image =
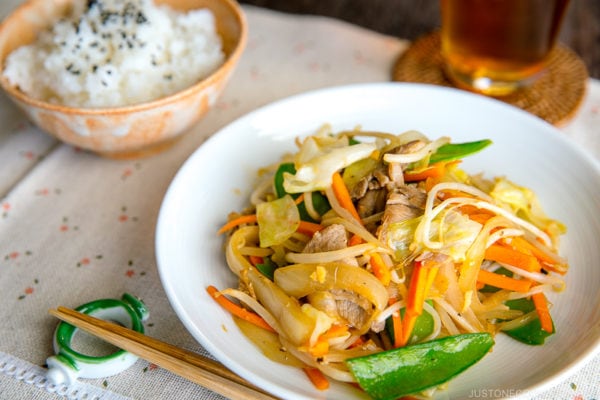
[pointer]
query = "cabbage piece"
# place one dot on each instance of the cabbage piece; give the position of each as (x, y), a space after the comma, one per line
(322, 321)
(400, 237)
(277, 220)
(525, 204)
(319, 157)
(453, 231)
(356, 171)
(457, 232)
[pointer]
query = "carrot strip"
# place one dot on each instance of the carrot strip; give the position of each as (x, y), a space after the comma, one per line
(320, 348)
(244, 219)
(541, 306)
(507, 255)
(416, 289)
(354, 240)
(299, 199)
(408, 324)
(414, 300)
(236, 310)
(396, 324)
(357, 343)
(309, 228)
(343, 196)
(503, 281)
(525, 246)
(430, 183)
(380, 269)
(335, 331)
(482, 218)
(318, 379)
(255, 260)
(398, 330)
(436, 170)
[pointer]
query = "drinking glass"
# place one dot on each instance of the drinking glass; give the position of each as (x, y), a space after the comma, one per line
(496, 47)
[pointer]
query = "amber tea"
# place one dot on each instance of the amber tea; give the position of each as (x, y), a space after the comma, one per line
(497, 46)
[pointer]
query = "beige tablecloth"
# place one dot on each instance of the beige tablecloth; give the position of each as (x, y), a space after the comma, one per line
(75, 227)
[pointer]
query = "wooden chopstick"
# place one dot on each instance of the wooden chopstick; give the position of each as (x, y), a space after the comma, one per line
(192, 366)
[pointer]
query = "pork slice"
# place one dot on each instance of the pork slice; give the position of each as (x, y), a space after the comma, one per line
(333, 237)
(352, 307)
(372, 203)
(361, 187)
(405, 203)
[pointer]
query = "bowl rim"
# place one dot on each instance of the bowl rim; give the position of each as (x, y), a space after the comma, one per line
(229, 63)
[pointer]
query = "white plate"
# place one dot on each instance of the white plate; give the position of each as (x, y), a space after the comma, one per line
(217, 178)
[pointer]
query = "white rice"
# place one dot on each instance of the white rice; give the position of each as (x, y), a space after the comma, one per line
(110, 53)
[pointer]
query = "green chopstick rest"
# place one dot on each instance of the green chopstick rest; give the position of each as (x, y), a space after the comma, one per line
(68, 364)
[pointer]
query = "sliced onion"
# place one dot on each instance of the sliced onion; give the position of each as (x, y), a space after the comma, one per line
(268, 343)
(299, 280)
(237, 241)
(330, 256)
(296, 325)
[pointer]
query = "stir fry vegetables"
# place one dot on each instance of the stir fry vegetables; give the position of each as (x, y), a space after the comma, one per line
(364, 251)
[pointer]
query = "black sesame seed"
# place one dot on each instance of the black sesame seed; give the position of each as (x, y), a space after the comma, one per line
(141, 18)
(91, 3)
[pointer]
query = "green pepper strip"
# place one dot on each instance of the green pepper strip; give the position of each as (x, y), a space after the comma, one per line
(267, 268)
(531, 333)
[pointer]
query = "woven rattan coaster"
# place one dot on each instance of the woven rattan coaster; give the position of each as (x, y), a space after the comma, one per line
(555, 96)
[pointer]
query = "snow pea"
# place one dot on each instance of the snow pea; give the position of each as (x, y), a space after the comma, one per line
(456, 151)
(532, 332)
(408, 370)
(320, 202)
